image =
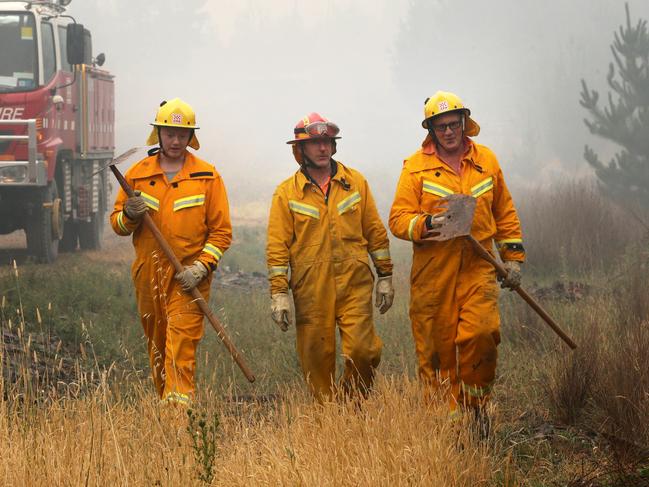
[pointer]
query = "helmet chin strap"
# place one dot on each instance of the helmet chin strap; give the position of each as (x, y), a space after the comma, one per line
(161, 149)
(306, 162)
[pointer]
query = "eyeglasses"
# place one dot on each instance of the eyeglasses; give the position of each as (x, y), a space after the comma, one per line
(440, 128)
(319, 129)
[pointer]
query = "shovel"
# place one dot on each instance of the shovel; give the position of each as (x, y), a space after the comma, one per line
(454, 221)
(166, 248)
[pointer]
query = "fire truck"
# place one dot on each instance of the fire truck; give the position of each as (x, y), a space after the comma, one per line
(57, 120)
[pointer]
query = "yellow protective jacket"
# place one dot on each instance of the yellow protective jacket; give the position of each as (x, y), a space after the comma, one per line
(191, 211)
(453, 292)
(304, 229)
(425, 179)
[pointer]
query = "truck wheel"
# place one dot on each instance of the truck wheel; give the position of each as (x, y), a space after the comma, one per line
(42, 232)
(92, 232)
(70, 236)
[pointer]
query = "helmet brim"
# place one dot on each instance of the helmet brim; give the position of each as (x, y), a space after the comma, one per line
(471, 127)
(295, 141)
(154, 140)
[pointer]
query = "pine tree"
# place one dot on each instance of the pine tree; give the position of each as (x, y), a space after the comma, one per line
(625, 121)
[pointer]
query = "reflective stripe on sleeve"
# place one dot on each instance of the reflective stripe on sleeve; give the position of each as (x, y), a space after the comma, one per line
(304, 209)
(277, 270)
(380, 254)
(189, 201)
(213, 250)
(482, 187)
(120, 222)
(348, 202)
(411, 227)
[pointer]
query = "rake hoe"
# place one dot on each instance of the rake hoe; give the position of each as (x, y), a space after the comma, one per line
(454, 221)
(196, 294)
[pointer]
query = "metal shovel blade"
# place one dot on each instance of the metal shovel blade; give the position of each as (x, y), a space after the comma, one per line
(118, 160)
(455, 218)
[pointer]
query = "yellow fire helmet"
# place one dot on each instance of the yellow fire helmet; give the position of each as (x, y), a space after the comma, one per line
(444, 102)
(174, 113)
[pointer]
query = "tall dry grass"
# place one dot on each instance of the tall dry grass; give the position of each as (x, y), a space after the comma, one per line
(561, 417)
(571, 228)
(605, 384)
(393, 438)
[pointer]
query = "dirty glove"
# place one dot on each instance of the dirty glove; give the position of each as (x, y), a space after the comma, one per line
(280, 308)
(135, 206)
(513, 279)
(192, 275)
(384, 293)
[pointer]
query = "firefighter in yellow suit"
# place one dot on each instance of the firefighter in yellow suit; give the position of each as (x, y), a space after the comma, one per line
(454, 294)
(323, 224)
(186, 199)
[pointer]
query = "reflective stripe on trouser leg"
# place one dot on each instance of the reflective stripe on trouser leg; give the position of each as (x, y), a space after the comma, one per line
(361, 347)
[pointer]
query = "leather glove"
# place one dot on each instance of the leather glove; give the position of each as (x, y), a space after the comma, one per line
(135, 207)
(384, 293)
(192, 275)
(280, 308)
(514, 275)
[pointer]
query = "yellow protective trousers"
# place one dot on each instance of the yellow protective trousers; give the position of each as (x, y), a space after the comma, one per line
(455, 323)
(173, 326)
(330, 294)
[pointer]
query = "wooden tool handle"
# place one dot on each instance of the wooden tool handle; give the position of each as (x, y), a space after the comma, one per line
(196, 294)
(502, 272)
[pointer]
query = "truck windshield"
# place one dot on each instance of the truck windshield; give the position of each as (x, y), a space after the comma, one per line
(18, 59)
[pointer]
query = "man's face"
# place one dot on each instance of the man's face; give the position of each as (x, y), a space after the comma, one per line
(448, 129)
(319, 151)
(174, 141)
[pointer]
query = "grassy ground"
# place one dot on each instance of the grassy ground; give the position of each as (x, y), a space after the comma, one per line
(561, 418)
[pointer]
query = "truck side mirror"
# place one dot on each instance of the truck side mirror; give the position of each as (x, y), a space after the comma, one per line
(75, 44)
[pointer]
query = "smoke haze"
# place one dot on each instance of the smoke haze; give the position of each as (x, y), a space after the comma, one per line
(252, 69)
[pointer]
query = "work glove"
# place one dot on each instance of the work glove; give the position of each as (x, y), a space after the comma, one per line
(280, 308)
(384, 293)
(514, 275)
(135, 206)
(191, 275)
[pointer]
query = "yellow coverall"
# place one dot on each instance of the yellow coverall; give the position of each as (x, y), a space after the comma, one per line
(453, 292)
(325, 243)
(192, 213)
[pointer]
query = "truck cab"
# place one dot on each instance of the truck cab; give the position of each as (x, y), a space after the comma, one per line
(57, 122)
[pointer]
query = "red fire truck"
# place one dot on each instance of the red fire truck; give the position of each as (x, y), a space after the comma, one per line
(57, 120)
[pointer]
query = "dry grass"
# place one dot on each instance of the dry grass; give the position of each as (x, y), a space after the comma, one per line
(561, 418)
(392, 439)
(573, 229)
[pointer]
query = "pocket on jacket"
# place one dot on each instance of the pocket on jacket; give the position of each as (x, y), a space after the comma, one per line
(188, 218)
